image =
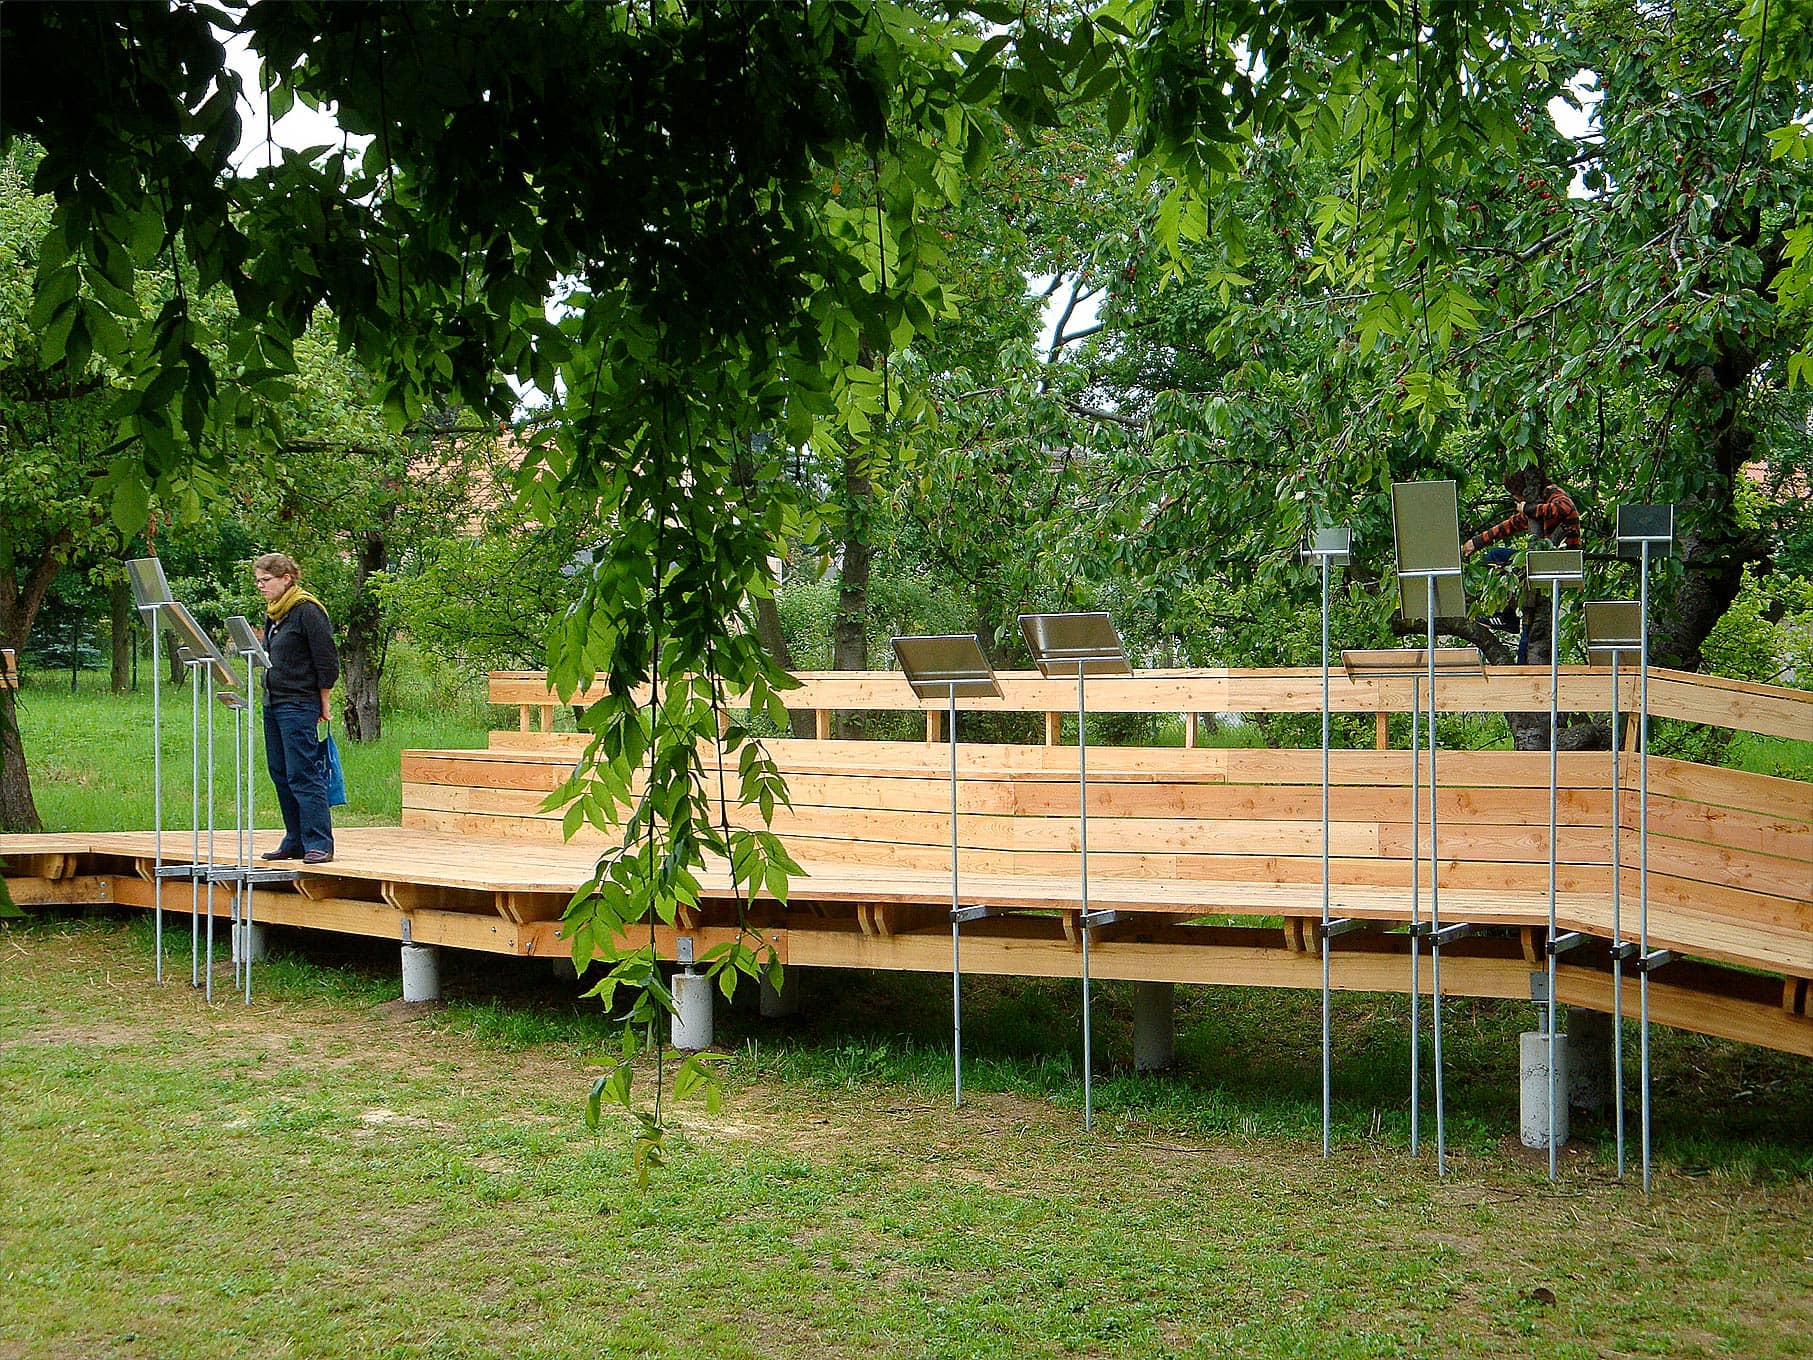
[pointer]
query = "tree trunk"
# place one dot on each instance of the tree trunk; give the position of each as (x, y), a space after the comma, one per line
(362, 654)
(768, 628)
(120, 611)
(18, 813)
(850, 625)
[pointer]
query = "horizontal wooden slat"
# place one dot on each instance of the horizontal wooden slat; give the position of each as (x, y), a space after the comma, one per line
(1767, 709)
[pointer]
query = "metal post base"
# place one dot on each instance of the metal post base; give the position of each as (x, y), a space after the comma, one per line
(1589, 1060)
(421, 972)
(1154, 1026)
(692, 1024)
(780, 1002)
(1533, 1058)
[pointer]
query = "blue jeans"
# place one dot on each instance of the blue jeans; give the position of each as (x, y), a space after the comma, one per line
(293, 752)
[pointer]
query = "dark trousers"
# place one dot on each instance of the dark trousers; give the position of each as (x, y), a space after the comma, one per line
(1511, 617)
(293, 752)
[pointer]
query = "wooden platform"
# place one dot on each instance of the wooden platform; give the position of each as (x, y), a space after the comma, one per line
(1212, 857)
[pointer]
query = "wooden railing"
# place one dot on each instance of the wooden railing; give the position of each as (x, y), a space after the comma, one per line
(9, 669)
(1769, 710)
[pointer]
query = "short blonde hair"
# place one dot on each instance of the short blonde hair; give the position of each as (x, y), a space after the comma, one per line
(278, 564)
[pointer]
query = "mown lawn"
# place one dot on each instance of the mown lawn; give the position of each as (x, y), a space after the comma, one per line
(323, 1174)
(90, 755)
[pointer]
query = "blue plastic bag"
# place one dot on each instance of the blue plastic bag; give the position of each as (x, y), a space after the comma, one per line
(331, 773)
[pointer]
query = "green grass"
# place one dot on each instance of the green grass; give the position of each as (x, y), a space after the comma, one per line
(1782, 757)
(89, 754)
(322, 1174)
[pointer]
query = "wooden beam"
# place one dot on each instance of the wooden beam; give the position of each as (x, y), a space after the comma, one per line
(79, 890)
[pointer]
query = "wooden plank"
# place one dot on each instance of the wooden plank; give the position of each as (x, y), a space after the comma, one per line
(319, 887)
(1772, 710)
(1790, 799)
(523, 907)
(78, 890)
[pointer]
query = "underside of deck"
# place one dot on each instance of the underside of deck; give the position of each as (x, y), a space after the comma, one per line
(507, 895)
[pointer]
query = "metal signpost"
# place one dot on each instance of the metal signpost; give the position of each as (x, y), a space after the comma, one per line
(1642, 529)
(1615, 628)
(1425, 525)
(950, 667)
(150, 593)
(1556, 568)
(1082, 645)
(1328, 548)
(244, 641)
(206, 666)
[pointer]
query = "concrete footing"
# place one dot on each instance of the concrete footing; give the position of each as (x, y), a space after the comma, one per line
(780, 1002)
(692, 1010)
(1154, 1026)
(1534, 1050)
(1589, 1067)
(251, 942)
(421, 972)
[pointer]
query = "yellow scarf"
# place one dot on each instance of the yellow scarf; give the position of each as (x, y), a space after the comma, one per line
(287, 601)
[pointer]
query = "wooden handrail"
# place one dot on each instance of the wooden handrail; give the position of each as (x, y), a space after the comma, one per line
(1769, 710)
(9, 669)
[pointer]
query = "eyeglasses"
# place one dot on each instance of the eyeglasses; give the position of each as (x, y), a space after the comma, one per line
(266, 580)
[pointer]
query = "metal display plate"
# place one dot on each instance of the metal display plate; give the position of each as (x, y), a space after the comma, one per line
(1063, 644)
(149, 587)
(1645, 524)
(939, 666)
(243, 640)
(1556, 567)
(1335, 545)
(1402, 661)
(199, 646)
(1613, 626)
(1425, 531)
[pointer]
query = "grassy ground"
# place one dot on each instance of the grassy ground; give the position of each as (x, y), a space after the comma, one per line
(324, 1174)
(89, 754)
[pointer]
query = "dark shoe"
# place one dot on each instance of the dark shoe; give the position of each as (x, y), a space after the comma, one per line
(278, 853)
(318, 857)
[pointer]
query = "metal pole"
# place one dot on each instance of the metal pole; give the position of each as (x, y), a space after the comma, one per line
(1416, 910)
(209, 990)
(239, 839)
(157, 799)
(1435, 914)
(1617, 928)
(194, 824)
(1554, 793)
(1327, 1051)
(252, 715)
(956, 927)
(1082, 785)
(1643, 842)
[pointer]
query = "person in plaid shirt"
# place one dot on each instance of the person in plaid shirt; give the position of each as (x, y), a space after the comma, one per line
(1551, 516)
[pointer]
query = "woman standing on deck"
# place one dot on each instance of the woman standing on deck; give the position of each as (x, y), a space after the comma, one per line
(304, 667)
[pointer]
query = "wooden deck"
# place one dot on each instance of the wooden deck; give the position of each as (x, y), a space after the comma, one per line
(1212, 857)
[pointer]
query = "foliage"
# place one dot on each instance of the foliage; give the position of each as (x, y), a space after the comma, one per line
(671, 174)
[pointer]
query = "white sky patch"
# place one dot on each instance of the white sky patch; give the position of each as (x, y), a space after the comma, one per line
(1087, 313)
(299, 129)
